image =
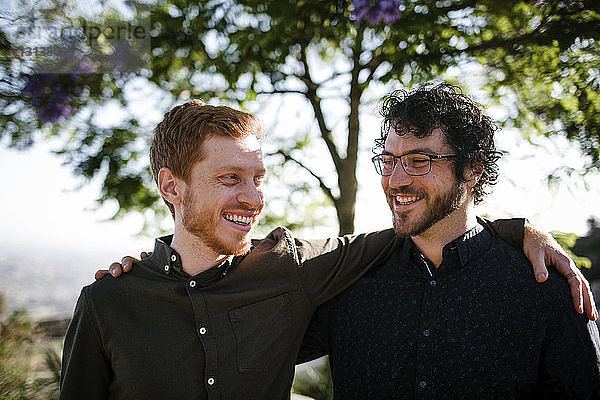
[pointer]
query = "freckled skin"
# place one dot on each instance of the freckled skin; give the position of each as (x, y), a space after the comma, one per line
(226, 182)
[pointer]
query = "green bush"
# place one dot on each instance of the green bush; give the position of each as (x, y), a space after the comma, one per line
(16, 370)
(19, 379)
(567, 241)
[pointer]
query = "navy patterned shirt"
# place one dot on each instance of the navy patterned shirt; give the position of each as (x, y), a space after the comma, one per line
(477, 327)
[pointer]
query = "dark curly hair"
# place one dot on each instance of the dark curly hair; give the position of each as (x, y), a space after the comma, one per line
(468, 131)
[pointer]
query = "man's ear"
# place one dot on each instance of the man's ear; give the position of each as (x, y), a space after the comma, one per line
(473, 173)
(170, 187)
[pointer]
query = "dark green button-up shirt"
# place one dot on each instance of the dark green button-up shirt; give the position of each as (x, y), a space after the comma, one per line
(231, 332)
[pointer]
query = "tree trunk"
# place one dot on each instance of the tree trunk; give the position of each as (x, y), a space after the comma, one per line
(345, 206)
(347, 182)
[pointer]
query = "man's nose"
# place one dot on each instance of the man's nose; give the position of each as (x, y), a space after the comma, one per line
(251, 195)
(399, 177)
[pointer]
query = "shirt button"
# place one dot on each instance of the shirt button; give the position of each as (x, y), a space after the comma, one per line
(166, 268)
(211, 381)
(202, 330)
(426, 332)
(192, 283)
(173, 257)
(422, 384)
(432, 283)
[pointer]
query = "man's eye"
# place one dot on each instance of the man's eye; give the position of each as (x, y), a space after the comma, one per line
(229, 179)
(259, 180)
(419, 161)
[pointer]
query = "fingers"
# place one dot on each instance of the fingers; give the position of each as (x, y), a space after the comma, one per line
(101, 273)
(562, 263)
(538, 261)
(588, 300)
(127, 263)
(579, 290)
(542, 250)
(583, 298)
(537, 257)
(115, 269)
(534, 247)
(576, 286)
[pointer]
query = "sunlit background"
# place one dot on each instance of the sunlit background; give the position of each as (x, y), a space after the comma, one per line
(53, 232)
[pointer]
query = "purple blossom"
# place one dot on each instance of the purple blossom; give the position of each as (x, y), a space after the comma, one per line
(56, 108)
(375, 11)
(52, 94)
(48, 96)
(86, 66)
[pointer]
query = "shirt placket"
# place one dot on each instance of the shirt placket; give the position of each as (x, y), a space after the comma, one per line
(424, 383)
(205, 333)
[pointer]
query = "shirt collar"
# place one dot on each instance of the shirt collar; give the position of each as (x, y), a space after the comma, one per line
(468, 246)
(408, 250)
(169, 262)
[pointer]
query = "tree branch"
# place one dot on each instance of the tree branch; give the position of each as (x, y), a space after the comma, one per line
(543, 35)
(322, 185)
(281, 91)
(332, 77)
(355, 95)
(371, 66)
(315, 101)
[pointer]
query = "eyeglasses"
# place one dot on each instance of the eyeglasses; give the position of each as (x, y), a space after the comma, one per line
(414, 164)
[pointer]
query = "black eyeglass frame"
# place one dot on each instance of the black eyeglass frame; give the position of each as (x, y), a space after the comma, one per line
(395, 159)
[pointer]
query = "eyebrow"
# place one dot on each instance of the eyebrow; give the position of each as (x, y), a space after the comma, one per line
(424, 150)
(234, 168)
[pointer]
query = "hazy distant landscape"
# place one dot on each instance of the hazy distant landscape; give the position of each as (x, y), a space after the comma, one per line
(45, 282)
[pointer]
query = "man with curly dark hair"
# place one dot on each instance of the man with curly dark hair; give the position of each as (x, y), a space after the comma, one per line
(445, 315)
(466, 129)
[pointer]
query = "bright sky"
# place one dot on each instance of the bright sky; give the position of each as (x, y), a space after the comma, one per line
(45, 206)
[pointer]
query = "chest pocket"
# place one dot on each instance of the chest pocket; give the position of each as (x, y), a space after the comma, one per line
(262, 333)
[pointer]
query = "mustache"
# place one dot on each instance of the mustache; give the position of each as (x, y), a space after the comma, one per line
(406, 191)
(244, 207)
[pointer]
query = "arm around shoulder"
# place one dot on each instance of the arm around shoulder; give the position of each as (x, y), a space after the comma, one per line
(327, 267)
(86, 370)
(511, 230)
(542, 250)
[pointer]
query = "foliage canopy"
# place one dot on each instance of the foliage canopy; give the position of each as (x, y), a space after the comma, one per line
(541, 57)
